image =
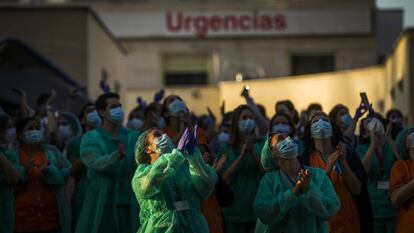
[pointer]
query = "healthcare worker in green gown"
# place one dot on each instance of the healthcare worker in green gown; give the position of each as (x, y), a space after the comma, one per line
(108, 153)
(170, 184)
(44, 171)
(242, 171)
(90, 120)
(293, 198)
(378, 153)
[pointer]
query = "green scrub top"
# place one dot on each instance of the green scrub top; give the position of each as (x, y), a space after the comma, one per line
(279, 210)
(381, 205)
(244, 184)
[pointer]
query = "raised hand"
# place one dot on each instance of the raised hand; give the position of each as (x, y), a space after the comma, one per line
(159, 95)
(304, 177)
(360, 111)
(218, 164)
(183, 140)
(331, 161)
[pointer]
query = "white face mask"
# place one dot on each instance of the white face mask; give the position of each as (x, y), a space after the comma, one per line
(321, 129)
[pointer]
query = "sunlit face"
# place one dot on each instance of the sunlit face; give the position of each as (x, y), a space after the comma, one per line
(151, 146)
(282, 162)
(246, 114)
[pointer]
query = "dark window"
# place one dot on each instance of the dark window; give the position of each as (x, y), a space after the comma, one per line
(185, 69)
(186, 78)
(309, 64)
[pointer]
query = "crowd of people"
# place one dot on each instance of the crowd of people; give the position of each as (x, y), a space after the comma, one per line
(167, 170)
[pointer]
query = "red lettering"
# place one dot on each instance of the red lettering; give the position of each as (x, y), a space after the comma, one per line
(245, 21)
(170, 26)
(201, 26)
(230, 19)
(187, 23)
(215, 23)
(265, 22)
(280, 22)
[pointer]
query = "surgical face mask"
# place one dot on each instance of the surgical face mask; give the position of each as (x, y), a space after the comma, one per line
(281, 129)
(223, 137)
(375, 125)
(287, 149)
(10, 135)
(33, 137)
(164, 144)
(161, 123)
(64, 132)
(176, 107)
(411, 140)
(135, 124)
(321, 129)
(93, 119)
(246, 127)
(346, 120)
(116, 115)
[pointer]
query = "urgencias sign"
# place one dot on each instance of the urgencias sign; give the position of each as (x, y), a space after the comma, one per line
(221, 24)
(201, 25)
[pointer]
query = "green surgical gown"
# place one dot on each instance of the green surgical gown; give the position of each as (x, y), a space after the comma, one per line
(279, 210)
(170, 192)
(109, 204)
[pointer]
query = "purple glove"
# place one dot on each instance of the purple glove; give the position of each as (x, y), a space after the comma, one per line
(183, 140)
(142, 104)
(192, 141)
(361, 110)
(159, 95)
(104, 87)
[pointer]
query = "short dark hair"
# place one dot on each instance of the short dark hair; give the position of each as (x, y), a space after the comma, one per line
(22, 122)
(101, 104)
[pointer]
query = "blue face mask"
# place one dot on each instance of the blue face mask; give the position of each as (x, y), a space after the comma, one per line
(346, 120)
(161, 123)
(64, 132)
(321, 129)
(116, 115)
(33, 137)
(176, 107)
(287, 149)
(223, 137)
(93, 119)
(246, 127)
(281, 129)
(135, 124)
(164, 144)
